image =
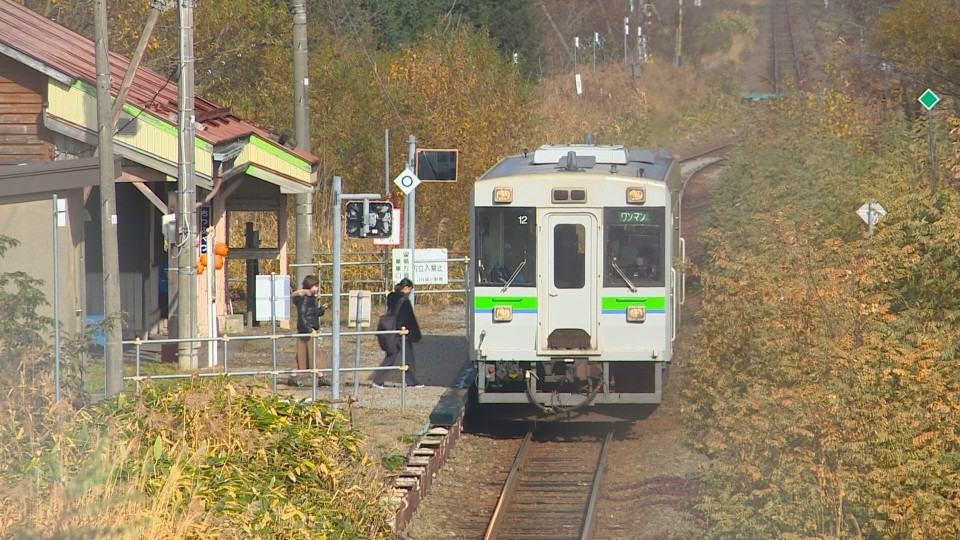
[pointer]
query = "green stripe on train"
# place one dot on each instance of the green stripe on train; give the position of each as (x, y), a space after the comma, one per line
(609, 302)
(622, 302)
(517, 302)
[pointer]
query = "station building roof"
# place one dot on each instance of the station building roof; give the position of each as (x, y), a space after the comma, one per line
(68, 57)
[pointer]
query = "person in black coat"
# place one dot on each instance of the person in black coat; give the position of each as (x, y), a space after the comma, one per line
(398, 303)
(309, 311)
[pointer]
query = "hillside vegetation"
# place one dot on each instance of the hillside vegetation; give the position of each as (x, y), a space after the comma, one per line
(827, 391)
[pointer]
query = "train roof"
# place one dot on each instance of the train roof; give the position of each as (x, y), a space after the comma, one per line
(608, 159)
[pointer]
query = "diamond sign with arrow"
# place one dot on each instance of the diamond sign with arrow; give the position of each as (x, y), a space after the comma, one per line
(871, 213)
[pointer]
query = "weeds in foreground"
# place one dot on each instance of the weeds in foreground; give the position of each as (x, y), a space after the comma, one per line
(206, 459)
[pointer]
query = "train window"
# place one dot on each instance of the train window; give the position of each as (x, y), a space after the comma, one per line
(569, 245)
(506, 247)
(634, 247)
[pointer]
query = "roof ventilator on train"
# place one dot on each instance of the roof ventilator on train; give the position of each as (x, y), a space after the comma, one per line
(574, 163)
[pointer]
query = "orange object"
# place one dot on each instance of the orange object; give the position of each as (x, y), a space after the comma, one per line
(218, 262)
(220, 248)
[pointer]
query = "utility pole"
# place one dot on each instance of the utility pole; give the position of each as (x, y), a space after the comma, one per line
(576, 45)
(156, 7)
(576, 74)
(186, 207)
(596, 41)
(677, 59)
(410, 208)
(113, 351)
(303, 238)
(626, 34)
(337, 188)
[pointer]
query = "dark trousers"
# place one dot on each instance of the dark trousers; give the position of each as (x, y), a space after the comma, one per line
(395, 359)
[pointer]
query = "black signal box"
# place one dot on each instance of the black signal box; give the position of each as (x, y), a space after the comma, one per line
(376, 221)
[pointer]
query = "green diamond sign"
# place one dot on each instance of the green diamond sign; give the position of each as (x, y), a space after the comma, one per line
(928, 99)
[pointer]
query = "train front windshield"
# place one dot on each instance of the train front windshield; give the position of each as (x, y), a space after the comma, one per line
(506, 247)
(634, 252)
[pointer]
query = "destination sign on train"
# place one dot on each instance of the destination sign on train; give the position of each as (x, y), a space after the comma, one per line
(633, 216)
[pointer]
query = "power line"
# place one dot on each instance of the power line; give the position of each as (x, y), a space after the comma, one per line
(149, 103)
(376, 73)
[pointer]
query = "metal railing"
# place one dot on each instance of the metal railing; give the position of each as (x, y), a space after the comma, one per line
(223, 369)
(215, 341)
(383, 279)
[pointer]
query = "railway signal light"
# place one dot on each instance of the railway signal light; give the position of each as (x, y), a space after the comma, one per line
(366, 219)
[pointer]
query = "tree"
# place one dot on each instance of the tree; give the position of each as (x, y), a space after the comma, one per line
(20, 325)
(513, 25)
(913, 36)
(462, 94)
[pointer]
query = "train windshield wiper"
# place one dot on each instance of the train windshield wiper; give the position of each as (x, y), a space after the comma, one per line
(633, 288)
(514, 276)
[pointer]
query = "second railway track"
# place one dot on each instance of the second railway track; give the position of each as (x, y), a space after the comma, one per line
(785, 56)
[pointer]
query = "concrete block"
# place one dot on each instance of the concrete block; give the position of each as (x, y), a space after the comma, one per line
(231, 324)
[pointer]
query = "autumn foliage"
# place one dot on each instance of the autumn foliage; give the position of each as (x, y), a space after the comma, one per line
(826, 392)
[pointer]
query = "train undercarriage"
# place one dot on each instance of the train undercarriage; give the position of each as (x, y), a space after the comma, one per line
(570, 389)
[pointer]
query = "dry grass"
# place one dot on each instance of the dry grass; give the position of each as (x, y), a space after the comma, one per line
(89, 497)
(207, 459)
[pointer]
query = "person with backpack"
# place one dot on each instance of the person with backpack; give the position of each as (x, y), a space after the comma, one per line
(309, 311)
(399, 314)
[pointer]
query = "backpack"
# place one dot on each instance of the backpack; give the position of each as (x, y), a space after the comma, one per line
(389, 343)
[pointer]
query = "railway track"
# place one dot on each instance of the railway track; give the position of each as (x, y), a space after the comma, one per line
(718, 149)
(551, 490)
(785, 71)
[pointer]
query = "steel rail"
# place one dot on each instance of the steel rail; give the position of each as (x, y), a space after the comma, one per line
(773, 41)
(589, 515)
(779, 27)
(513, 480)
(723, 146)
(793, 45)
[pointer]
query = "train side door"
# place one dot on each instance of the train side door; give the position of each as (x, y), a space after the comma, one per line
(568, 288)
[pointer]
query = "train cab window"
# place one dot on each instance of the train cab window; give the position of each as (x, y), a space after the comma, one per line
(634, 247)
(506, 247)
(569, 246)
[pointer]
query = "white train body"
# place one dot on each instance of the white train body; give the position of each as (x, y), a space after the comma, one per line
(574, 291)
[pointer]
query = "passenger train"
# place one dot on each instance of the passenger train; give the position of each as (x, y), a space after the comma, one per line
(575, 289)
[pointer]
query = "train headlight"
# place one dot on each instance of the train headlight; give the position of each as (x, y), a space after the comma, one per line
(502, 195)
(636, 195)
(502, 314)
(636, 314)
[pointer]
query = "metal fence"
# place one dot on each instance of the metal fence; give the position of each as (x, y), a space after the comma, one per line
(455, 285)
(380, 279)
(337, 335)
(224, 369)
